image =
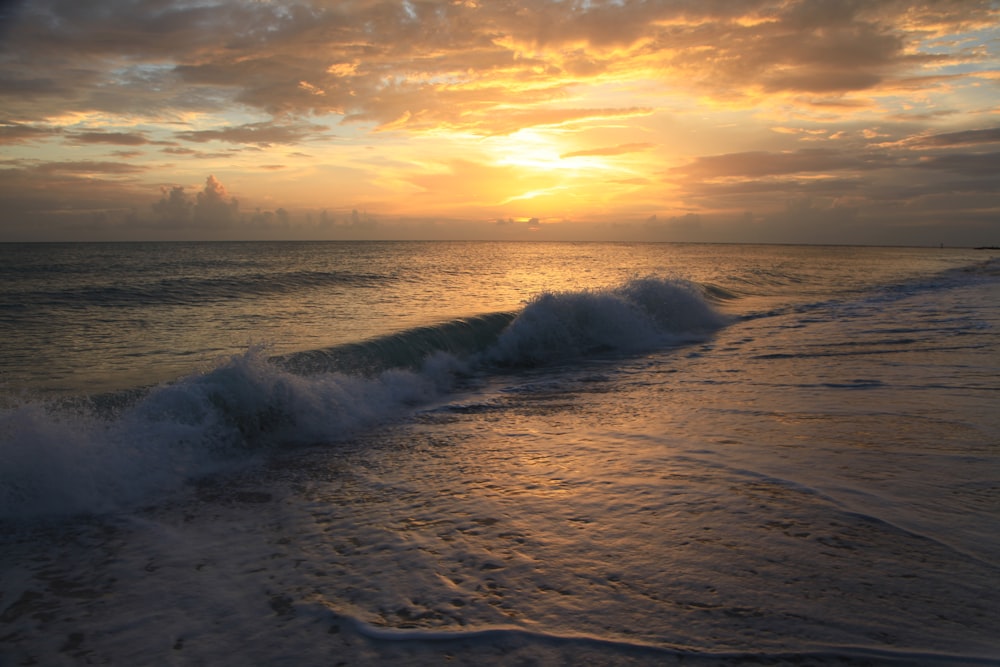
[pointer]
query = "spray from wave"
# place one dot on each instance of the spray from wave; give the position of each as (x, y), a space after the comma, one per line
(110, 452)
(642, 314)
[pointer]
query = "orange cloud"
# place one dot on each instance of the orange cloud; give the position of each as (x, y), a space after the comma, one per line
(621, 149)
(760, 164)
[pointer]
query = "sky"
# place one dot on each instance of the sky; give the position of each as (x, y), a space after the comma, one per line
(776, 121)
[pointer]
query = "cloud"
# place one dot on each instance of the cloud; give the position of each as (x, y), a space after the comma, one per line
(772, 189)
(676, 227)
(261, 134)
(13, 133)
(620, 149)
(884, 197)
(969, 164)
(513, 121)
(35, 196)
(811, 80)
(198, 155)
(30, 87)
(90, 167)
(173, 207)
(963, 138)
(762, 164)
(214, 206)
(116, 138)
(448, 63)
(917, 75)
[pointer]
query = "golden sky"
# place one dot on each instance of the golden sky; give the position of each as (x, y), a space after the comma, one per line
(840, 121)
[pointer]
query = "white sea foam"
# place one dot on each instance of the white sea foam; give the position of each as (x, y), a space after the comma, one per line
(67, 460)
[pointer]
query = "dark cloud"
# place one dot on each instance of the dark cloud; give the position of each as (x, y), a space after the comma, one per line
(811, 80)
(29, 194)
(964, 138)
(677, 227)
(199, 155)
(9, 10)
(213, 205)
(173, 207)
(970, 164)
(116, 138)
(261, 134)
(30, 87)
(12, 133)
(923, 116)
(211, 208)
(772, 189)
(894, 203)
(68, 28)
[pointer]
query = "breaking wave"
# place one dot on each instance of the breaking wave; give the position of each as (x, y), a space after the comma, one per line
(107, 452)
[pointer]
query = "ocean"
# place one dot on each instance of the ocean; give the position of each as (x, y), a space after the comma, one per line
(498, 453)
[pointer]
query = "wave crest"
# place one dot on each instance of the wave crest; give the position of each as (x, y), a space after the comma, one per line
(641, 315)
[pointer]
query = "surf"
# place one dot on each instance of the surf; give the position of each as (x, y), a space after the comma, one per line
(107, 452)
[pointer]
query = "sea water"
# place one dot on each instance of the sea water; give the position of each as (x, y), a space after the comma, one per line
(451, 453)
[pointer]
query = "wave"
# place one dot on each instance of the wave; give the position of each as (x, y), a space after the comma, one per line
(407, 349)
(108, 452)
(185, 291)
(643, 314)
(878, 295)
(58, 459)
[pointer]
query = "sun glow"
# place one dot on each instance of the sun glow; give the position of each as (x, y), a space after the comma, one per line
(554, 174)
(547, 151)
(531, 149)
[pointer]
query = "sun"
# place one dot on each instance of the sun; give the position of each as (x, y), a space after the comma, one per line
(540, 150)
(549, 174)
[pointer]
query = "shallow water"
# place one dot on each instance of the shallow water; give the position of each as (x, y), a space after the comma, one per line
(800, 466)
